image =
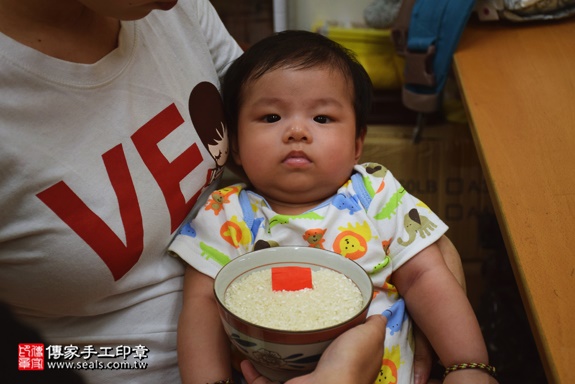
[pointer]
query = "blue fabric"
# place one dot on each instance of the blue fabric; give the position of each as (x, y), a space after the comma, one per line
(359, 187)
(439, 23)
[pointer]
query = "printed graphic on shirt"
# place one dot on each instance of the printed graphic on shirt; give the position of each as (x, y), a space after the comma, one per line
(118, 255)
(218, 198)
(285, 219)
(350, 203)
(390, 366)
(392, 205)
(314, 237)
(236, 232)
(352, 240)
(207, 114)
(396, 315)
(415, 224)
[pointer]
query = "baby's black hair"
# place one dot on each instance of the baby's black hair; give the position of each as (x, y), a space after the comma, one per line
(297, 50)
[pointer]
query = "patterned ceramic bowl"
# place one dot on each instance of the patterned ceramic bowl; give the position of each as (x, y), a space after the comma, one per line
(277, 354)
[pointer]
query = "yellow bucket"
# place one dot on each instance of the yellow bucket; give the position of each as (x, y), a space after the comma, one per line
(374, 50)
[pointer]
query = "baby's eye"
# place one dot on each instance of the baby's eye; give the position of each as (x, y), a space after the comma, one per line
(321, 119)
(271, 118)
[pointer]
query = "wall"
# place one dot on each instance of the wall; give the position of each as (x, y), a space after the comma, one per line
(302, 14)
(248, 21)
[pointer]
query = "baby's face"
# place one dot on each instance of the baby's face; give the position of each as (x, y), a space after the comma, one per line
(296, 135)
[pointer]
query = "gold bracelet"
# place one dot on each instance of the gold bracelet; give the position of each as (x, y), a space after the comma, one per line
(226, 381)
(484, 367)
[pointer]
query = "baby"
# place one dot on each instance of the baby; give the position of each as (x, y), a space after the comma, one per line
(296, 105)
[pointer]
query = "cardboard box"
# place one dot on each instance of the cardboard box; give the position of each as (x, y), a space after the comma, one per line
(443, 171)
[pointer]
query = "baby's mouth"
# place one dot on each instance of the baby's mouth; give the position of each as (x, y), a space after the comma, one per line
(296, 158)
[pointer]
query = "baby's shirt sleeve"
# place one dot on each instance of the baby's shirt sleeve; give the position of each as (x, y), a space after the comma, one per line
(407, 224)
(216, 235)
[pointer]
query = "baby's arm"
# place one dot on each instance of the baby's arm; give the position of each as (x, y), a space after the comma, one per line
(439, 306)
(203, 347)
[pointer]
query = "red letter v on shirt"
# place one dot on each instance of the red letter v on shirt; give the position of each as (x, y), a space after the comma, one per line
(91, 228)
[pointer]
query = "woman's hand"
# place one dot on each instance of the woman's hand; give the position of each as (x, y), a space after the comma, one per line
(354, 357)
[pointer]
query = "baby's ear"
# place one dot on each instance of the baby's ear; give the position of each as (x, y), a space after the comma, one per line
(234, 161)
(234, 149)
(359, 143)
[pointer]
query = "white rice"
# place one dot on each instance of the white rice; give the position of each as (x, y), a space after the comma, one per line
(334, 299)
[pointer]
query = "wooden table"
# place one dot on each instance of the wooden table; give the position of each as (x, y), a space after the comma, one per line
(518, 86)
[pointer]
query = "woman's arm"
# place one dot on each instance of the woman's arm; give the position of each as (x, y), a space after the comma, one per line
(203, 347)
(439, 306)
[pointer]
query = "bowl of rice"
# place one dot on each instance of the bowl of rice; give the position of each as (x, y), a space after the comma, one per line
(282, 306)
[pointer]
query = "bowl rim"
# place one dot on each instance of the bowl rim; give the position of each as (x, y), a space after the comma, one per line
(270, 332)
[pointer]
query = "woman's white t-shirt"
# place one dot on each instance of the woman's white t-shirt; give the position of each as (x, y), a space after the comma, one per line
(99, 165)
